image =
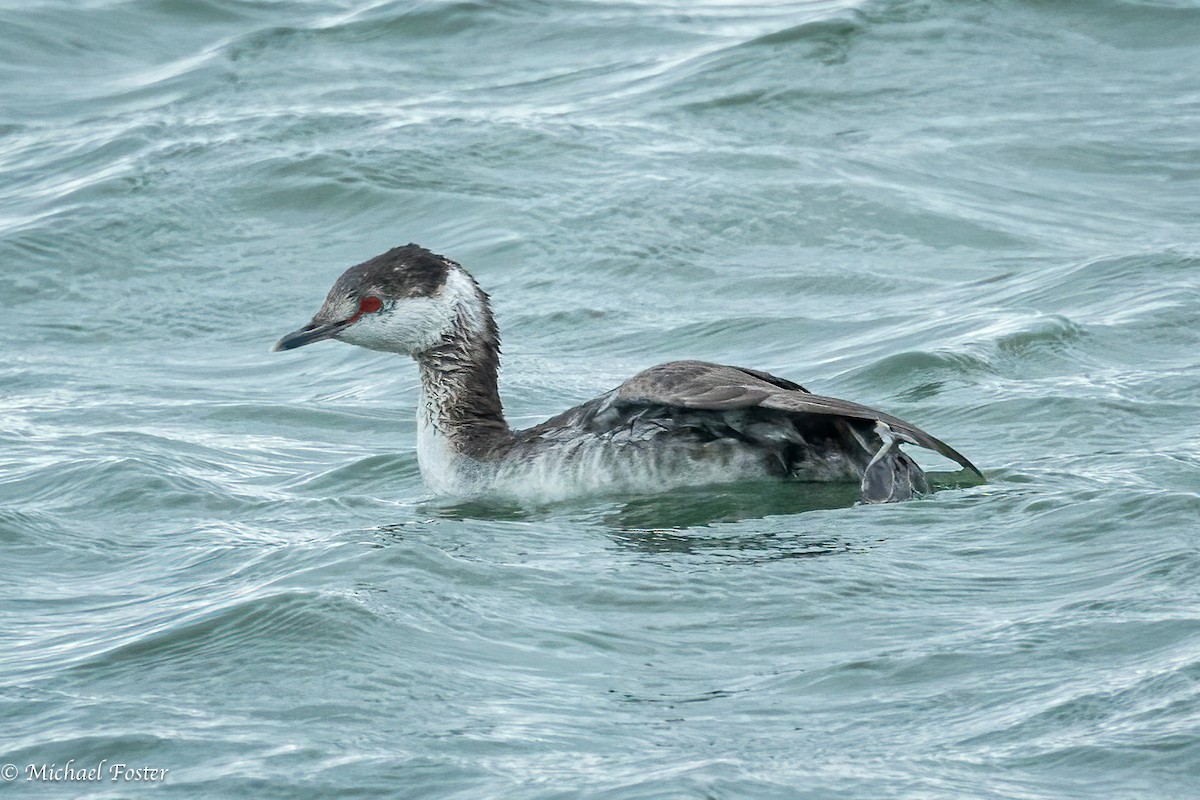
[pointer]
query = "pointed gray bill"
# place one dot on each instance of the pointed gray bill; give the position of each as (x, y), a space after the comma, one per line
(312, 332)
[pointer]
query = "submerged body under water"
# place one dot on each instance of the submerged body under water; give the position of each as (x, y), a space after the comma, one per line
(224, 562)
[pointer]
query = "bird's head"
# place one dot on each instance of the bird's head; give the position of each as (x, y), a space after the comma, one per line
(407, 300)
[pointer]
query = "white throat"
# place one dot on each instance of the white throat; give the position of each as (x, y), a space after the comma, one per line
(444, 468)
(454, 370)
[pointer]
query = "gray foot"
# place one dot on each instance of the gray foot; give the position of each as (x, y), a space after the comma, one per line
(891, 476)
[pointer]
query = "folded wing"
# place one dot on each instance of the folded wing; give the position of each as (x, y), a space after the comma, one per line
(698, 386)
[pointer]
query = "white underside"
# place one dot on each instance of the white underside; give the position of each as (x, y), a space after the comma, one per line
(595, 465)
(591, 465)
(592, 469)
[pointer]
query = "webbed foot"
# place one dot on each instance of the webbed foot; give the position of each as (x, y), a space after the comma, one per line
(891, 476)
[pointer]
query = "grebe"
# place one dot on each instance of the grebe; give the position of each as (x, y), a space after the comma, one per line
(677, 424)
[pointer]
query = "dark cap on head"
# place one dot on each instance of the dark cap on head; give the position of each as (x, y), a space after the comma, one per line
(408, 271)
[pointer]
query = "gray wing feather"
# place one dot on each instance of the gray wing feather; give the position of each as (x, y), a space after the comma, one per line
(702, 386)
(720, 398)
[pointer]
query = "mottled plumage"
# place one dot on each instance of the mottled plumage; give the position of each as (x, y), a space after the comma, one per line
(680, 423)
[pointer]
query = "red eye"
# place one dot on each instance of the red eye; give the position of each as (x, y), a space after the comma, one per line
(370, 305)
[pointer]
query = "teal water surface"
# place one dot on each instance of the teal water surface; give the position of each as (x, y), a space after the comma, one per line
(221, 562)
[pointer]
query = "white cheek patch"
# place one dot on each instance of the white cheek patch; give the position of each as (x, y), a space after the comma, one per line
(463, 294)
(413, 324)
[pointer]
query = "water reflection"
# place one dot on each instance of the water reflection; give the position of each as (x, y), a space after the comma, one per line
(691, 521)
(685, 508)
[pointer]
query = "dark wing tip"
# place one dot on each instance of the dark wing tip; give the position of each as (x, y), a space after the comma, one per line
(952, 454)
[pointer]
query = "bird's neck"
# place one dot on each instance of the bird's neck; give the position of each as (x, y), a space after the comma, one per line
(459, 412)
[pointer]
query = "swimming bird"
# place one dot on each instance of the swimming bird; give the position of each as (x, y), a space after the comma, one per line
(677, 424)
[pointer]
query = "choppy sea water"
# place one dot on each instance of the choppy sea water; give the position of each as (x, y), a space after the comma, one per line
(221, 562)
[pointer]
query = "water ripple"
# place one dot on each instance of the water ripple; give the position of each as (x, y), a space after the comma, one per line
(222, 561)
